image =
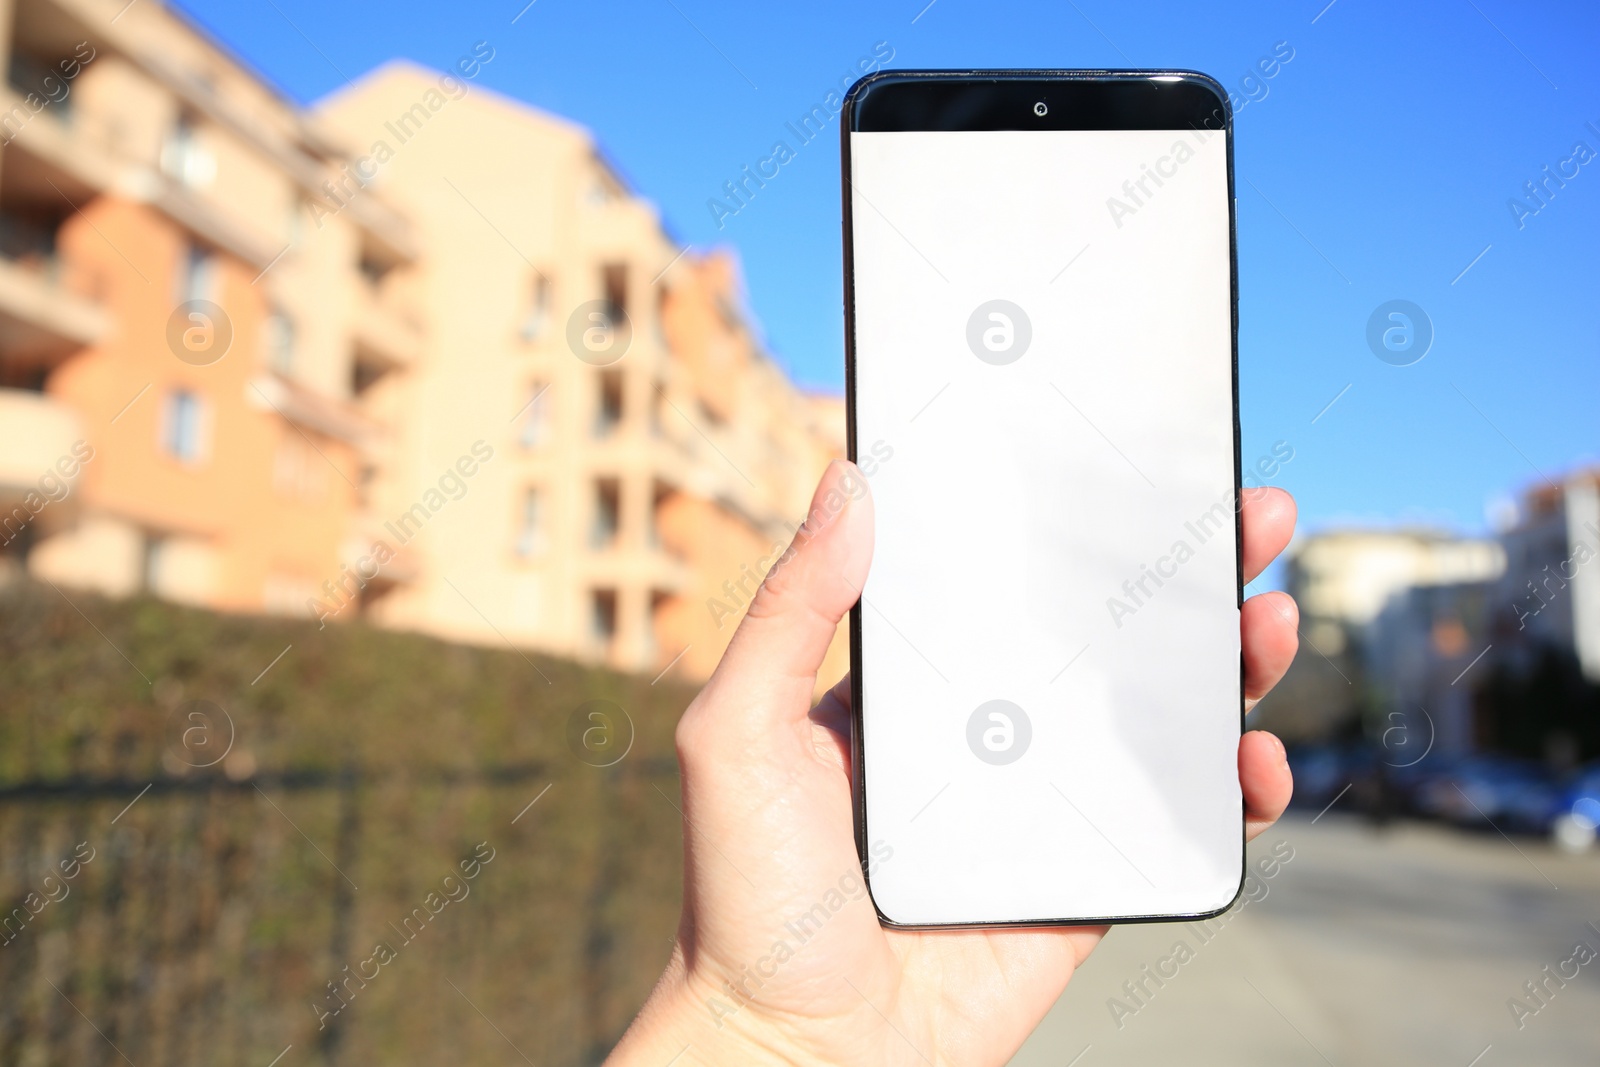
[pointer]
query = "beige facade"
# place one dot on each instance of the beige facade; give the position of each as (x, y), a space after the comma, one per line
(418, 356)
(1341, 579)
(644, 449)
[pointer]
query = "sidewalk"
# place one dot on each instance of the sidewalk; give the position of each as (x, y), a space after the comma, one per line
(1366, 949)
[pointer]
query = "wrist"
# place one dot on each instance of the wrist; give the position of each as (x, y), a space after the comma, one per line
(663, 1032)
(690, 1021)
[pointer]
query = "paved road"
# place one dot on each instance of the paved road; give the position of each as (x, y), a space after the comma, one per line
(1366, 948)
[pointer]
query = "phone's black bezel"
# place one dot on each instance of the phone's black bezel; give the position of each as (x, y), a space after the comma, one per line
(982, 100)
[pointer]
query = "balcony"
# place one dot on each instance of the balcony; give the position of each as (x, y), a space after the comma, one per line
(36, 432)
(302, 406)
(49, 307)
(299, 149)
(385, 337)
(81, 158)
(76, 155)
(41, 320)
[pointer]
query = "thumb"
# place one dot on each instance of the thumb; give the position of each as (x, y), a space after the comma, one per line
(771, 663)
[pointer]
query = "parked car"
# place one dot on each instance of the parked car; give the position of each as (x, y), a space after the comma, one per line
(1320, 772)
(1502, 791)
(1576, 818)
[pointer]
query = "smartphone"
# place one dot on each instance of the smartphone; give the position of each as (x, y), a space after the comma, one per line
(1041, 324)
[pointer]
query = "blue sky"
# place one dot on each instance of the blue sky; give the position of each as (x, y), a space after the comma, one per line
(1377, 165)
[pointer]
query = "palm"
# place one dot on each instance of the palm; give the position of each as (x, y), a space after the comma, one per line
(886, 995)
(780, 954)
(987, 989)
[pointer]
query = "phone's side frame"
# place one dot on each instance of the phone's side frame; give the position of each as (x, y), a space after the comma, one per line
(847, 125)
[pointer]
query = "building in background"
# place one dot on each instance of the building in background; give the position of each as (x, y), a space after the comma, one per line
(1342, 579)
(1542, 691)
(1383, 614)
(1549, 596)
(418, 355)
(1495, 643)
(1419, 655)
(161, 349)
(647, 454)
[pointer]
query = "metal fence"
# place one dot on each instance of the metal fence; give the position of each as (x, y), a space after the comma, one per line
(503, 915)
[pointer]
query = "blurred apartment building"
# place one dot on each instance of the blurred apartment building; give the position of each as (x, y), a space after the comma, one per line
(418, 355)
(648, 455)
(144, 175)
(1454, 626)
(1549, 596)
(1357, 658)
(1343, 578)
(1542, 697)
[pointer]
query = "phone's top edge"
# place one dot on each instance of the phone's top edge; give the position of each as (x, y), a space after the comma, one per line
(1033, 72)
(1038, 74)
(864, 85)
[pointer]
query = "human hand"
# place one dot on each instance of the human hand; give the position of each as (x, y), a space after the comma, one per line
(768, 833)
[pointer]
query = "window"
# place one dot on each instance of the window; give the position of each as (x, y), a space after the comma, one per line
(660, 599)
(28, 237)
(153, 564)
(197, 275)
(607, 513)
(661, 497)
(32, 74)
(280, 342)
(184, 158)
(608, 410)
(373, 269)
(530, 525)
(538, 316)
(364, 374)
(15, 374)
(614, 284)
(603, 615)
(184, 426)
(535, 419)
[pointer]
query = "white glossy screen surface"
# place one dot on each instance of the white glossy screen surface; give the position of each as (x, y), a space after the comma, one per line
(1055, 528)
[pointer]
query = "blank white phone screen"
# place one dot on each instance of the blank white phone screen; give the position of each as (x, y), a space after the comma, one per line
(1050, 631)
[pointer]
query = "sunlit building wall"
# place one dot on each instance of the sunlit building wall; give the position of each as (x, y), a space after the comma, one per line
(646, 452)
(419, 355)
(167, 335)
